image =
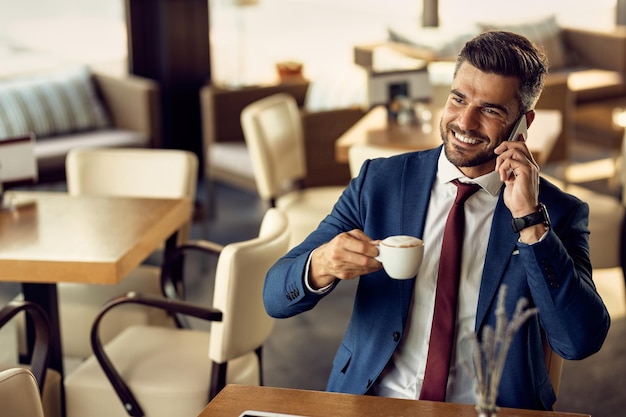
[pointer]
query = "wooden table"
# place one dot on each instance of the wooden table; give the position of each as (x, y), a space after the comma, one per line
(375, 129)
(234, 399)
(84, 239)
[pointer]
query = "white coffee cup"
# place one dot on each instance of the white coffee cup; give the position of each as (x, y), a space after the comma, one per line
(401, 255)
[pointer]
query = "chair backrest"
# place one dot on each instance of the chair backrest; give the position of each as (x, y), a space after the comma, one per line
(133, 172)
(18, 163)
(273, 132)
(19, 393)
(357, 154)
(239, 280)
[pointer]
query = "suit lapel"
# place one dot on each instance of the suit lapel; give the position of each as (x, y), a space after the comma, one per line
(502, 242)
(420, 170)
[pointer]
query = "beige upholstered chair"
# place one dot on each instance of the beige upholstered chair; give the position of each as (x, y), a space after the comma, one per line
(47, 381)
(156, 173)
(158, 371)
(226, 157)
(19, 393)
(273, 131)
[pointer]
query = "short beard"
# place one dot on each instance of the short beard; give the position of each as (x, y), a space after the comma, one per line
(457, 156)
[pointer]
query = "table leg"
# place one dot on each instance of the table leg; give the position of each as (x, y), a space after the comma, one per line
(172, 283)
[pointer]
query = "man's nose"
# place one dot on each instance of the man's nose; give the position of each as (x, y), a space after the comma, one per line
(469, 119)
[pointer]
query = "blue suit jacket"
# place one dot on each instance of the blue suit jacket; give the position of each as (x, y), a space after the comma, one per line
(391, 197)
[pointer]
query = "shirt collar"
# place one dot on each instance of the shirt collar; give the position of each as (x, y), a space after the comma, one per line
(447, 172)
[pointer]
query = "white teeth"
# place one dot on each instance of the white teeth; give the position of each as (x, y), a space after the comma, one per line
(465, 140)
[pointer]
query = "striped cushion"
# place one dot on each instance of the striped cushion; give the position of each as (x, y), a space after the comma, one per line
(49, 105)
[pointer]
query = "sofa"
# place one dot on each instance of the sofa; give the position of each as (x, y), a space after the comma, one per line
(76, 107)
(587, 75)
(226, 156)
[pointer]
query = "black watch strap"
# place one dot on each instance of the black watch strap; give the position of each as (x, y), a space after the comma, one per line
(538, 217)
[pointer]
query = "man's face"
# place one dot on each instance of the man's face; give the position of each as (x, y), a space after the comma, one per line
(479, 113)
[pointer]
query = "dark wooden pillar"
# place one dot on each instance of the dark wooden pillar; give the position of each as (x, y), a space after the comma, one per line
(430, 13)
(620, 12)
(168, 41)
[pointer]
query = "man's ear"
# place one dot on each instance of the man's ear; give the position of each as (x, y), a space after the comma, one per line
(530, 116)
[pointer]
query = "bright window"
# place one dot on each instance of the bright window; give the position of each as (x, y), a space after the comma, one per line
(248, 41)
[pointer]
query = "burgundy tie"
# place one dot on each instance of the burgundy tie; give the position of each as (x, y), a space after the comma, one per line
(442, 333)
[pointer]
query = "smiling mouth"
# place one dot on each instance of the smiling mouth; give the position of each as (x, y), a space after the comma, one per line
(465, 139)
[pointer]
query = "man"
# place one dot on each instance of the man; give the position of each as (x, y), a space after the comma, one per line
(498, 78)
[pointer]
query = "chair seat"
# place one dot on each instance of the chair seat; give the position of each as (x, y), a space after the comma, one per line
(230, 163)
(167, 369)
(306, 208)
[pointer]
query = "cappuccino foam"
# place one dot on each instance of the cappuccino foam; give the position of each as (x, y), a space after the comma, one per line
(402, 241)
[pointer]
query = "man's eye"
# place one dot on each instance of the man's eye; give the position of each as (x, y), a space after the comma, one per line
(491, 112)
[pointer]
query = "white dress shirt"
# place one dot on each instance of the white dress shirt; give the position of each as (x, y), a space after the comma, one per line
(404, 374)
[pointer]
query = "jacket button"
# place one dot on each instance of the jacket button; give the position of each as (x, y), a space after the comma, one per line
(396, 336)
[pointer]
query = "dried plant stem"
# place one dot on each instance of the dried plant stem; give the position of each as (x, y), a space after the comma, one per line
(490, 353)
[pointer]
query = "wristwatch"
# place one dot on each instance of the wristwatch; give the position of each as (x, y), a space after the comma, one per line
(540, 216)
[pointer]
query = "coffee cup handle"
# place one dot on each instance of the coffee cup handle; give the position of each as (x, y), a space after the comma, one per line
(379, 257)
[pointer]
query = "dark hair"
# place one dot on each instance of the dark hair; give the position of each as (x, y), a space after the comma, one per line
(508, 54)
